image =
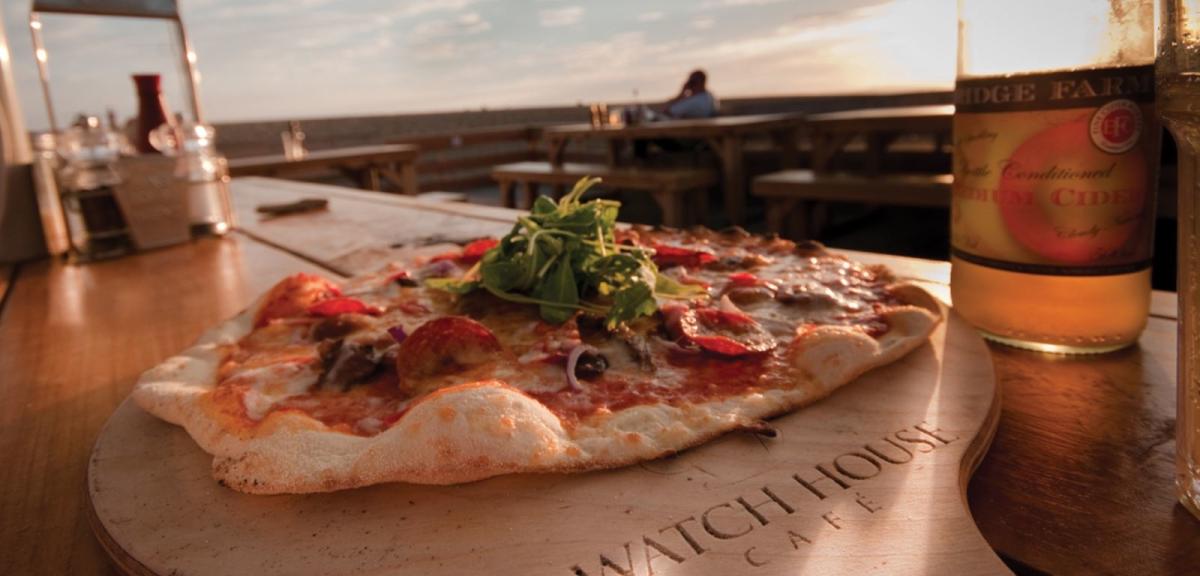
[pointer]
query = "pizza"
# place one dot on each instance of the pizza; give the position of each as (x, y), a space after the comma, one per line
(571, 344)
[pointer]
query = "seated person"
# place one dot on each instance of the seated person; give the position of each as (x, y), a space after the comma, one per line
(694, 99)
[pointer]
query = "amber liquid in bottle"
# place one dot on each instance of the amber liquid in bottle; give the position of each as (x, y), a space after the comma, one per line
(1066, 314)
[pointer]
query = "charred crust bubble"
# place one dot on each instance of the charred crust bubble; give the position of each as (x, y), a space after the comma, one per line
(735, 231)
(809, 247)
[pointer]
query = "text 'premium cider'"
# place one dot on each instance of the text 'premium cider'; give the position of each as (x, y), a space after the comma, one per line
(1055, 171)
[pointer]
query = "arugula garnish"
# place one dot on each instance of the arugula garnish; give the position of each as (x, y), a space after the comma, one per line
(564, 257)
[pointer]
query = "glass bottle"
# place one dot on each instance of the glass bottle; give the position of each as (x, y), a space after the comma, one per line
(1055, 172)
(152, 112)
(1178, 77)
(207, 175)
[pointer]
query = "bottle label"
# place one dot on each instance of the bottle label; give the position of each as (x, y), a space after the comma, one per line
(1055, 173)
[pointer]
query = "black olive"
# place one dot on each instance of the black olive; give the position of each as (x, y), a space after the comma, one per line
(590, 365)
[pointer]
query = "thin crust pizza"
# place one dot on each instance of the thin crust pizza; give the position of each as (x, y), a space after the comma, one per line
(570, 344)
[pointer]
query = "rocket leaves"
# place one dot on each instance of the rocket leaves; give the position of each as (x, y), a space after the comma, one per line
(563, 256)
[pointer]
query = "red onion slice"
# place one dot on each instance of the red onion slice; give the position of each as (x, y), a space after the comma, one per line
(573, 361)
(397, 333)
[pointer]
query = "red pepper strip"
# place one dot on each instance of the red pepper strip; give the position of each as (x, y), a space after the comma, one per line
(411, 307)
(472, 252)
(744, 279)
(293, 295)
(397, 276)
(665, 255)
(343, 305)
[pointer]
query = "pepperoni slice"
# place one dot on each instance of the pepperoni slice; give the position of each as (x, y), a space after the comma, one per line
(666, 256)
(722, 332)
(343, 305)
(293, 296)
(444, 346)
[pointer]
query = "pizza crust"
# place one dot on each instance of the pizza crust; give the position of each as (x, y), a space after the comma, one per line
(476, 430)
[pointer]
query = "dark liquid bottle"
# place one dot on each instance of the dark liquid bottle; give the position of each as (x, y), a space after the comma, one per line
(152, 111)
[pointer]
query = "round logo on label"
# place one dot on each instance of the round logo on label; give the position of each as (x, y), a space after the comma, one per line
(1116, 126)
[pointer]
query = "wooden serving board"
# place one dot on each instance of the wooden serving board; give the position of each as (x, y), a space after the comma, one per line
(869, 480)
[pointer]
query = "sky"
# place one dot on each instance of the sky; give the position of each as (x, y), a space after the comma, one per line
(278, 59)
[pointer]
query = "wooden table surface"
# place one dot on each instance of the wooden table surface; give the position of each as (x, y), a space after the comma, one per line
(832, 131)
(725, 134)
(366, 164)
(1078, 479)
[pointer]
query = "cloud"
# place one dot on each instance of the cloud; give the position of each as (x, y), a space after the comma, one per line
(650, 16)
(557, 17)
(715, 3)
(467, 24)
(703, 22)
(899, 44)
(421, 7)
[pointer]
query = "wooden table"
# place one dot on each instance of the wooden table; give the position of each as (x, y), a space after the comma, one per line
(1078, 479)
(831, 132)
(725, 134)
(367, 165)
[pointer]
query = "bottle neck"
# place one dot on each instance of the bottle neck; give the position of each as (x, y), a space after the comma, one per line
(1054, 36)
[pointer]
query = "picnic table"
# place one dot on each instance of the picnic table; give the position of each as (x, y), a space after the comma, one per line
(879, 127)
(1078, 478)
(726, 135)
(366, 165)
(797, 200)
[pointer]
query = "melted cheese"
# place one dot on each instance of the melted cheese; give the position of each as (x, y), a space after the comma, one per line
(272, 384)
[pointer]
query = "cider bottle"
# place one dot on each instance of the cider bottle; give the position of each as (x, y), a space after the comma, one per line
(1055, 172)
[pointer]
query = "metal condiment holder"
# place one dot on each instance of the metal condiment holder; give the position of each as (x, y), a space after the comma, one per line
(140, 196)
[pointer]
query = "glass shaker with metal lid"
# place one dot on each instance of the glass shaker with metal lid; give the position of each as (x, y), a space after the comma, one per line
(95, 223)
(207, 175)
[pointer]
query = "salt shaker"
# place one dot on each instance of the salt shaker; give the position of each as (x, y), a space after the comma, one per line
(207, 175)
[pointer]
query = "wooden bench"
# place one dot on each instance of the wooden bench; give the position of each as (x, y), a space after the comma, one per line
(670, 187)
(790, 194)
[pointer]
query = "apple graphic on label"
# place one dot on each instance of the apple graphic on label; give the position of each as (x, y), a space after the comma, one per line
(1068, 201)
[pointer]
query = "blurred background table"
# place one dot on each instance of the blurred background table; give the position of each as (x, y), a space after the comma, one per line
(725, 135)
(1078, 479)
(879, 127)
(368, 166)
